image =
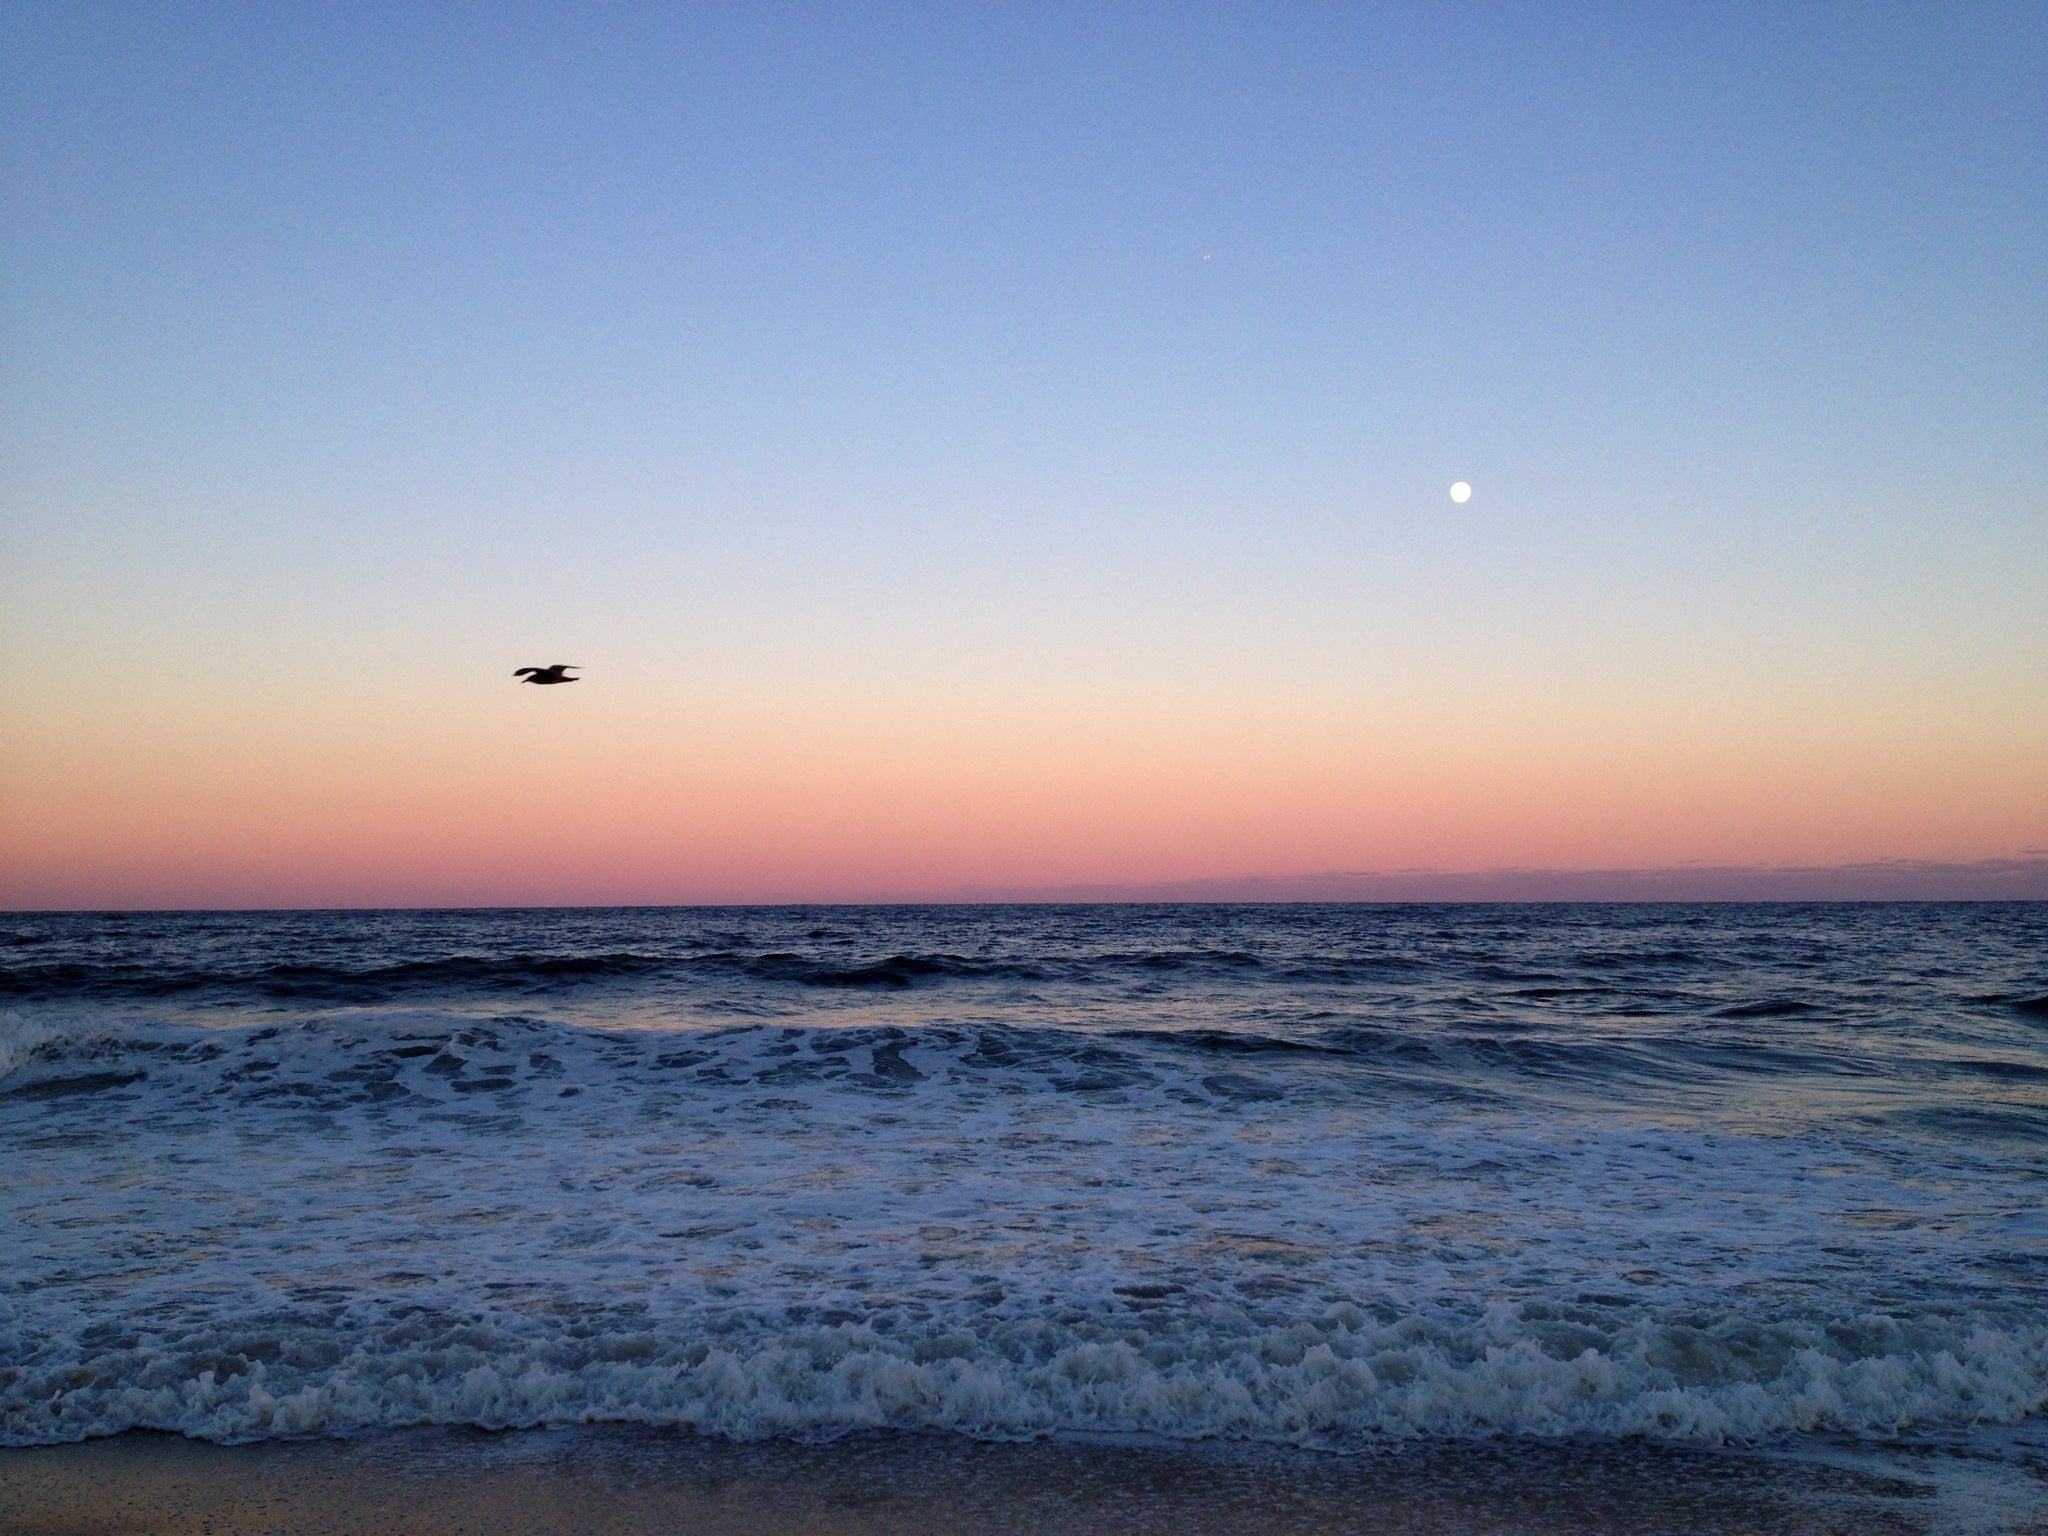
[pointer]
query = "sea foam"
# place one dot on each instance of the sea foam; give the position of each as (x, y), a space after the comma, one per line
(380, 1217)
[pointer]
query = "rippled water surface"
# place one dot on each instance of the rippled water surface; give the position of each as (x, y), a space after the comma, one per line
(1320, 1175)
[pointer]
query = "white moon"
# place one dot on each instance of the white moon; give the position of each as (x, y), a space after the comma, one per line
(1461, 492)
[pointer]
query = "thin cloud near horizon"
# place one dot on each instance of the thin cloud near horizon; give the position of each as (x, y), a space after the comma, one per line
(2024, 878)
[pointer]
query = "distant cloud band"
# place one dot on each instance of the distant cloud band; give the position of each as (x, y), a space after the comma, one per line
(2021, 879)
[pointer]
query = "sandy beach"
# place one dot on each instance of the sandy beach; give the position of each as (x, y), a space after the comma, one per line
(631, 1482)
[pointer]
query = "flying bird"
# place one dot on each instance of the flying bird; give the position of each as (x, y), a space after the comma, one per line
(558, 673)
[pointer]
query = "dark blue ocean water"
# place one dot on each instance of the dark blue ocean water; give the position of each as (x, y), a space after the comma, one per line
(1329, 1175)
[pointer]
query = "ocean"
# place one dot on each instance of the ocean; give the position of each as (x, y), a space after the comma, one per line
(1341, 1178)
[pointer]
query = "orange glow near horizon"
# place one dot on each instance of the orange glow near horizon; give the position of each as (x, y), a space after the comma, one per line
(547, 800)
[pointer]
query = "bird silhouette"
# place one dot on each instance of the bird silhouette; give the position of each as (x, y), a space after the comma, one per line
(558, 673)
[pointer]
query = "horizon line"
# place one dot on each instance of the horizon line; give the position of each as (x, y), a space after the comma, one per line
(2022, 878)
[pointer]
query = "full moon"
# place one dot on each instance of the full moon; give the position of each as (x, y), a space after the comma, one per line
(1460, 492)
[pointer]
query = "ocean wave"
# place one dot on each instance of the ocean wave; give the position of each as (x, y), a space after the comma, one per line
(341, 1055)
(1341, 1380)
(394, 1218)
(519, 973)
(1326, 1177)
(1770, 1008)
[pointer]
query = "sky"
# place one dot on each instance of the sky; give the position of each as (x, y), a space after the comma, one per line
(995, 448)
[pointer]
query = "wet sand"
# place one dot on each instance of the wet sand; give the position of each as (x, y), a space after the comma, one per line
(612, 1482)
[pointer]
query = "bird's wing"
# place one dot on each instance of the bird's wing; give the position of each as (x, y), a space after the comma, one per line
(524, 670)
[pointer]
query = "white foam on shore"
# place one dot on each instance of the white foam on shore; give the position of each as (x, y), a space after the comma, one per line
(385, 1219)
(1333, 1381)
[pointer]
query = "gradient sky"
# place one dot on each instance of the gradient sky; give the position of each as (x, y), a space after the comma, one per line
(1004, 446)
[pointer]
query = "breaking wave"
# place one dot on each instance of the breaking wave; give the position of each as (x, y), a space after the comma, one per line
(1319, 1176)
(398, 1218)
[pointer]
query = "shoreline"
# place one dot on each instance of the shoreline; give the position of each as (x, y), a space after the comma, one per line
(631, 1481)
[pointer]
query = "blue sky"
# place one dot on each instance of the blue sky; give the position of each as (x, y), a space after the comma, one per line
(1006, 354)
